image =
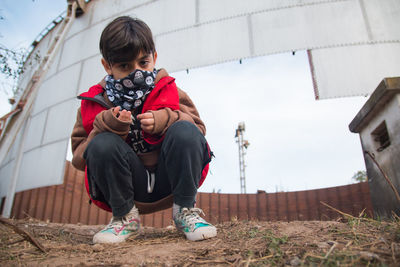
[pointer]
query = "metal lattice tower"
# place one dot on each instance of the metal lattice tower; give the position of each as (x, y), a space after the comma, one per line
(242, 144)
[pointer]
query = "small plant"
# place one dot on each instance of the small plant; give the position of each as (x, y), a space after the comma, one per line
(253, 232)
(13, 63)
(360, 176)
(274, 246)
(11, 67)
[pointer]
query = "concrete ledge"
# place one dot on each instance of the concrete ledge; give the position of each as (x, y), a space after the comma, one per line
(386, 89)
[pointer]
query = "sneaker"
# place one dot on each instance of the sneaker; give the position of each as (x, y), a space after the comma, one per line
(119, 228)
(192, 225)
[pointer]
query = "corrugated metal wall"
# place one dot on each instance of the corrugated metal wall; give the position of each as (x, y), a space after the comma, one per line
(68, 203)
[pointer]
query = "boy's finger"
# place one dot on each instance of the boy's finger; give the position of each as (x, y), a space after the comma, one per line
(147, 128)
(115, 110)
(125, 113)
(147, 122)
(146, 115)
(124, 116)
(127, 117)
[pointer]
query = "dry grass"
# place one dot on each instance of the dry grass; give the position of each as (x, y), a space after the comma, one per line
(349, 241)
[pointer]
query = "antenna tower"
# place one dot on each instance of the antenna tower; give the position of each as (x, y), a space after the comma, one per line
(243, 144)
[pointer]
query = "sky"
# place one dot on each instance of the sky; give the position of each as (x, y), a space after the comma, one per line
(296, 142)
(21, 23)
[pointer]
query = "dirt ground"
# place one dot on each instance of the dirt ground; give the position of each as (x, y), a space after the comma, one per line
(346, 242)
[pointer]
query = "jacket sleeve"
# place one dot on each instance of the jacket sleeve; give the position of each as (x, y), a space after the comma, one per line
(105, 121)
(79, 141)
(165, 117)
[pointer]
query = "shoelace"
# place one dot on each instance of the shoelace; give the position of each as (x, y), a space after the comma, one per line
(192, 216)
(121, 221)
(115, 222)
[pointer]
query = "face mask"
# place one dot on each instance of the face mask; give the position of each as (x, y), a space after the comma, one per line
(130, 92)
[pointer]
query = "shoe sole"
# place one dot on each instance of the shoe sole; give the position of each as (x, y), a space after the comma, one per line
(108, 239)
(202, 234)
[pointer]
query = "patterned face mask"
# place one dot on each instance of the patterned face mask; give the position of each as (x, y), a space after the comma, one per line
(130, 92)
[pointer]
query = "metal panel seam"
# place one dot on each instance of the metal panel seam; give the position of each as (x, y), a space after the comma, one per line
(79, 77)
(365, 18)
(44, 126)
(56, 104)
(46, 144)
(285, 51)
(250, 34)
(197, 12)
(76, 62)
(252, 13)
(130, 9)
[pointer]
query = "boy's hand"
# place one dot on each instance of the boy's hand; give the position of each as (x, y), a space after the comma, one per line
(146, 121)
(123, 115)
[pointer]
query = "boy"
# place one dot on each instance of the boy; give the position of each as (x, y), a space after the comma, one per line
(140, 139)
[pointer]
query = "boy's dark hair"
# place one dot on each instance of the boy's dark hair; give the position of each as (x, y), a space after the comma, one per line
(124, 38)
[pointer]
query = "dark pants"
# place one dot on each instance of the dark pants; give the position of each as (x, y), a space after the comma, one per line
(117, 176)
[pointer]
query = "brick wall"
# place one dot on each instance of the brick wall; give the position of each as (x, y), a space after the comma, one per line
(68, 203)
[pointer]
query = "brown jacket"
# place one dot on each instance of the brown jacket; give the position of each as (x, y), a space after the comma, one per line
(105, 121)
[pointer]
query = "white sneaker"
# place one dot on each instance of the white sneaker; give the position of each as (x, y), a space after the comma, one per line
(119, 228)
(192, 225)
